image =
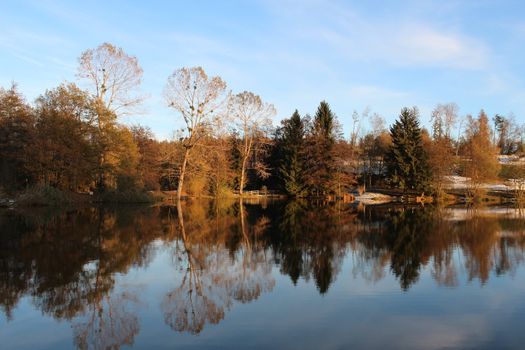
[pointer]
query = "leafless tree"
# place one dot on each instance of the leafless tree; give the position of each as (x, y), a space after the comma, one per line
(378, 124)
(114, 77)
(356, 125)
(198, 99)
(444, 117)
(252, 117)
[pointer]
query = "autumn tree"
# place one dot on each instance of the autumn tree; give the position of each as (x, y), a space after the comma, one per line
(252, 119)
(407, 159)
(17, 140)
(198, 99)
(66, 156)
(148, 162)
(343, 176)
(481, 164)
(440, 148)
(169, 155)
(113, 77)
(218, 156)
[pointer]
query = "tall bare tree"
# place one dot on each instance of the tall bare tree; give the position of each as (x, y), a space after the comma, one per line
(198, 99)
(357, 119)
(378, 124)
(444, 117)
(114, 77)
(252, 118)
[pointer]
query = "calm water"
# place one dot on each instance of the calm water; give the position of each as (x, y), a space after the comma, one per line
(276, 275)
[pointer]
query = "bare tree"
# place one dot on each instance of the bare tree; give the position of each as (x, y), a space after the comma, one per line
(444, 117)
(198, 99)
(378, 124)
(252, 117)
(114, 77)
(460, 124)
(356, 125)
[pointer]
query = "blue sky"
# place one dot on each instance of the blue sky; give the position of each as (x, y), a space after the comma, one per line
(354, 54)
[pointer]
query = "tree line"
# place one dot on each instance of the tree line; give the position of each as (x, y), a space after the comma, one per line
(73, 139)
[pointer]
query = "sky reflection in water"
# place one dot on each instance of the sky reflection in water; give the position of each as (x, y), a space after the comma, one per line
(281, 275)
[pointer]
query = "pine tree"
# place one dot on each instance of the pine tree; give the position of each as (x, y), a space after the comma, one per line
(320, 149)
(407, 160)
(290, 144)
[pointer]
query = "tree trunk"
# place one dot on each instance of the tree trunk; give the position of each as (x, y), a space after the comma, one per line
(182, 172)
(243, 175)
(245, 156)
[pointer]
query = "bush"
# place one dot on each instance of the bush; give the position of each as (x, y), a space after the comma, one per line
(126, 196)
(511, 171)
(223, 191)
(196, 186)
(42, 195)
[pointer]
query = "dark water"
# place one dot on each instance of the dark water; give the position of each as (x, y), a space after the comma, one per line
(278, 275)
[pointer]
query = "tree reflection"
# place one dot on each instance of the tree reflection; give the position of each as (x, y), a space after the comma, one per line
(212, 278)
(225, 252)
(67, 263)
(192, 304)
(109, 324)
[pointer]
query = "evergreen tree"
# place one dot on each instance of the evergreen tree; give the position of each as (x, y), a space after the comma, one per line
(320, 149)
(290, 145)
(407, 160)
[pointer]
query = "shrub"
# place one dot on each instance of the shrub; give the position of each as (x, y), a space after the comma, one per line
(42, 195)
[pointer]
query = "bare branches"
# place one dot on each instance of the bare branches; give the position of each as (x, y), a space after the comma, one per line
(198, 98)
(249, 113)
(444, 117)
(114, 77)
(252, 117)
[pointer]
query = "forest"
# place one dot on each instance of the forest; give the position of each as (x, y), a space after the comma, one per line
(71, 141)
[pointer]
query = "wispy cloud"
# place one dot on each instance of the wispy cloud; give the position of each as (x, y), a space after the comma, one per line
(23, 43)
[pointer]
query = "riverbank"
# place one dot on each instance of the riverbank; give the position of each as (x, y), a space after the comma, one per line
(458, 192)
(40, 196)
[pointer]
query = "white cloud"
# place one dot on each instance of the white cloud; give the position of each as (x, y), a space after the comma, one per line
(398, 40)
(421, 44)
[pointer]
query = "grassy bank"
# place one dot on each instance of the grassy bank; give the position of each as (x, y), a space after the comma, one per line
(41, 195)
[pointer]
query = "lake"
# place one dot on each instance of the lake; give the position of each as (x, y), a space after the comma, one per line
(262, 275)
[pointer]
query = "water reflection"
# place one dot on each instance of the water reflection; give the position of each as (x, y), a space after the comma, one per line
(214, 277)
(223, 254)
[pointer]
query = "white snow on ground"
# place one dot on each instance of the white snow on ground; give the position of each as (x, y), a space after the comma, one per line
(373, 198)
(461, 182)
